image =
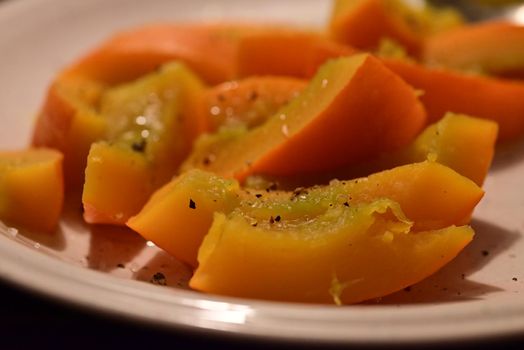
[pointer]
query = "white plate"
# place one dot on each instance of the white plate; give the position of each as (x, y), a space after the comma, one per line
(476, 296)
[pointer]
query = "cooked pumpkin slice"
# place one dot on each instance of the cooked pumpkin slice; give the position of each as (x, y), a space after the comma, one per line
(354, 108)
(178, 216)
(500, 100)
(156, 118)
(69, 122)
(249, 102)
(31, 188)
(345, 255)
(463, 143)
(493, 47)
(365, 23)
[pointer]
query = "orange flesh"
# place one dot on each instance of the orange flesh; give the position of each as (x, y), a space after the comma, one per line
(31, 188)
(363, 24)
(430, 194)
(336, 103)
(493, 47)
(352, 259)
(448, 91)
(249, 102)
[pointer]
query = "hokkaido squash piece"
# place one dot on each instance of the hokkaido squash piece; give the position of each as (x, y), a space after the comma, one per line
(365, 23)
(178, 216)
(463, 143)
(118, 183)
(460, 142)
(285, 51)
(162, 110)
(492, 47)
(445, 91)
(208, 49)
(69, 122)
(31, 188)
(155, 120)
(249, 102)
(354, 108)
(346, 255)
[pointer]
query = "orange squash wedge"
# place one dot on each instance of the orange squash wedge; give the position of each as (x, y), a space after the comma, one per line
(345, 255)
(31, 188)
(365, 23)
(354, 108)
(249, 102)
(178, 216)
(492, 47)
(153, 122)
(445, 91)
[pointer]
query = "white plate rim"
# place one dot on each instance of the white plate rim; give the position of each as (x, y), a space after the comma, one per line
(237, 317)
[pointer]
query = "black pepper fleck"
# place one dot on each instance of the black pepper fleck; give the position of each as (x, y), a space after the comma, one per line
(139, 146)
(255, 224)
(485, 253)
(346, 204)
(192, 204)
(407, 289)
(258, 195)
(159, 278)
(120, 266)
(271, 220)
(271, 187)
(277, 218)
(514, 279)
(253, 96)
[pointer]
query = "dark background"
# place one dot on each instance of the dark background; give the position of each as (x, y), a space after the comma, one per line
(30, 321)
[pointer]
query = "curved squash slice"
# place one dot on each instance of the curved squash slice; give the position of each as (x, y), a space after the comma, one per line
(345, 255)
(178, 216)
(354, 108)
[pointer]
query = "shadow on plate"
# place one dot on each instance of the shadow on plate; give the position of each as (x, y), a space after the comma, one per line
(451, 283)
(165, 270)
(508, 155)
(112, 247)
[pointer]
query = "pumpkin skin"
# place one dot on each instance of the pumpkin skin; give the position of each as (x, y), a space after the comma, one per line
(365, 23)
(431, 195)
(31, 188)
(463, 143)
(286, 52)
(311, 133)
(68, 121)
(493, 47)
(500, 100)
(346, 255)
(153, 122)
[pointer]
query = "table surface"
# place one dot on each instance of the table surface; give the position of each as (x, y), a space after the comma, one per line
(30, 321)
